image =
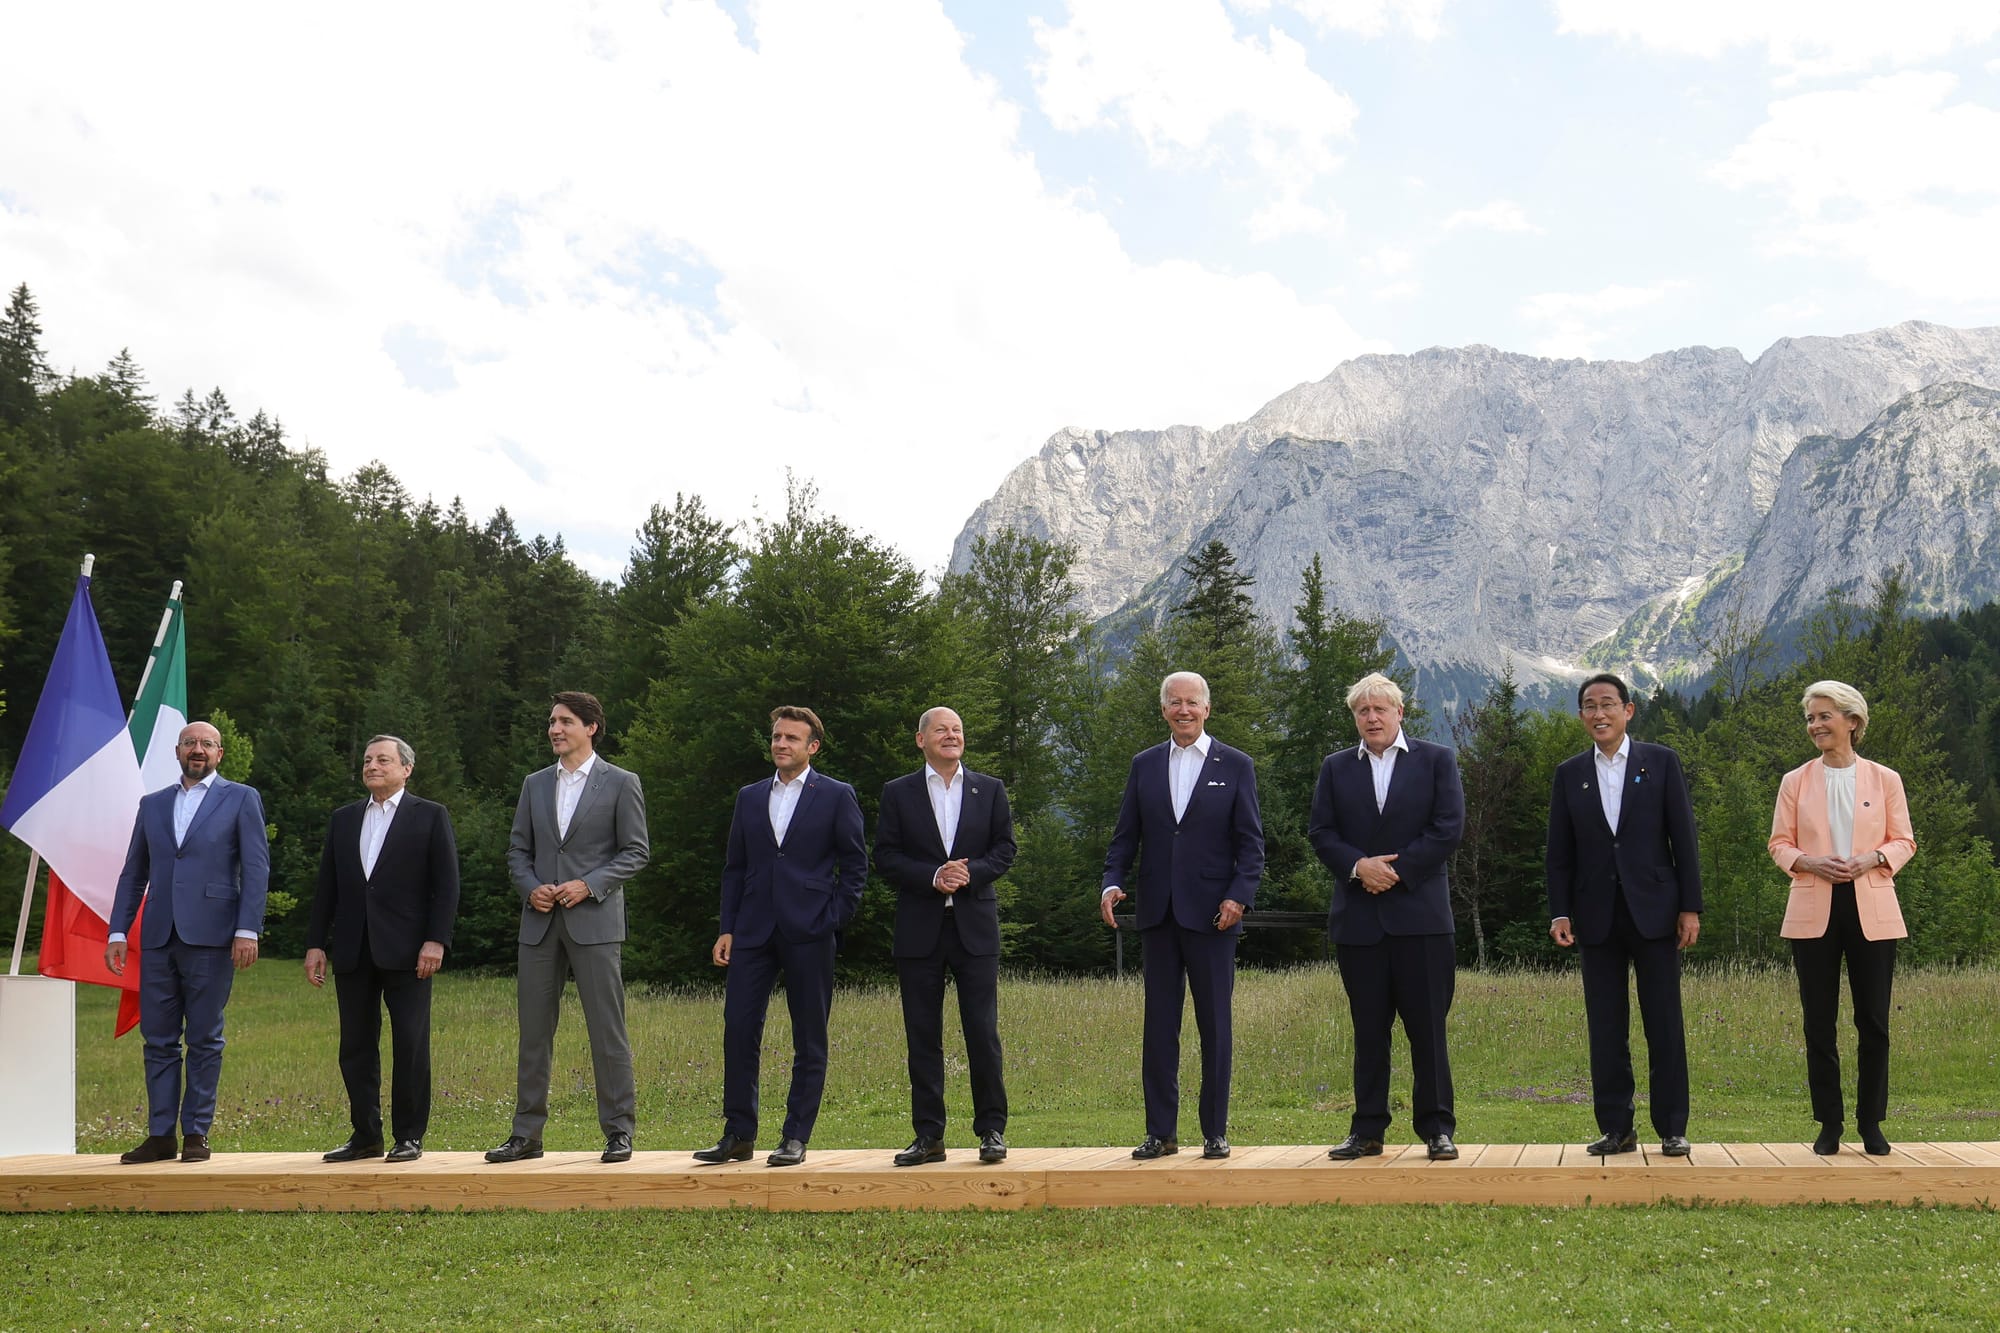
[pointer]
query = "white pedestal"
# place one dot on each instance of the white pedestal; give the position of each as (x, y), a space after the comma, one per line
(37, 1065)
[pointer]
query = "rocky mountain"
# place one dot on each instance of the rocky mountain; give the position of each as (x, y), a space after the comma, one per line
(1496, 508)
(1919, 488)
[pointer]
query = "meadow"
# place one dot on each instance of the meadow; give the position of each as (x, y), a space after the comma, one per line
(1073, 1079)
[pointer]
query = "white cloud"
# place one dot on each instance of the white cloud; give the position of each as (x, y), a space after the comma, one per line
(1579, 323)
(1500, 215)
(1801, 38)
(575, 261)
(1892, 175)
(1422, 19)
(1177, 75)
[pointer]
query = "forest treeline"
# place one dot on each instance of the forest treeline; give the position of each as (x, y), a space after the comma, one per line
(323, 609)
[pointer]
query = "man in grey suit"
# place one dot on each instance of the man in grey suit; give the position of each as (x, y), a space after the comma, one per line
(579, 834)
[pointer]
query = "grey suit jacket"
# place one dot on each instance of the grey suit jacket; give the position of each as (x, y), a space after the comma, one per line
(606, 846)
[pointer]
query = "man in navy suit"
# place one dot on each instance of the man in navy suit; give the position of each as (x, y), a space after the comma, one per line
(1386, 817)
(944, 835)
(383, 908)
(1625, 885)
(791, 881)
(200, 857)
(1190, 819)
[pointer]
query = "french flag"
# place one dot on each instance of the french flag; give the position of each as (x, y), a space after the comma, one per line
(75, 790)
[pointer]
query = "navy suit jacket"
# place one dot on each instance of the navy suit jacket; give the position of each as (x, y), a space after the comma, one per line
(1653, 854)
(1215, 851)
(411, 898)
(1421, 822)
(811, 886)
(908, 852)
(211, 885)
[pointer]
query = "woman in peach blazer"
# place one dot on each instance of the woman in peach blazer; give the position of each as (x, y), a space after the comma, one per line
(1842, 831)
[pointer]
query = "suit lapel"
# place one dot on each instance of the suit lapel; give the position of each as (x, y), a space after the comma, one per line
(208, 804)
(1814, 833)
(928, 812)
(392, 839)
(549, 800)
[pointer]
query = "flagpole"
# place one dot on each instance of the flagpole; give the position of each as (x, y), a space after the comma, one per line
(166, 619)
(27, 907)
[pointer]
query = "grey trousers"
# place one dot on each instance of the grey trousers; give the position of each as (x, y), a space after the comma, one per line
(600, 984)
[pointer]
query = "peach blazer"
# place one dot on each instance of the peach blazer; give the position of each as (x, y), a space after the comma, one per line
(1881, 820)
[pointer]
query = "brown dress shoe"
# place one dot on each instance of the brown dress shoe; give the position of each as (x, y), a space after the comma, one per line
(156, 1148)
(194, 1148)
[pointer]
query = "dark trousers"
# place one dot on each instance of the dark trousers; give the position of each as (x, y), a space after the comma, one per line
(1411, 976)
(1181, 962)
(182, 990)
(1871, 973)
(1607, 1010)
(978, 980)
(362, 995)
(807, 968)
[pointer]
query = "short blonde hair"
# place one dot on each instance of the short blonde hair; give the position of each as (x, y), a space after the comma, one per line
(1172, 676)
(1843, 697)
(1374, 686)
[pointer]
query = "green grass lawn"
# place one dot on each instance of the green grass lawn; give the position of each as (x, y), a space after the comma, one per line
(1073, 1078)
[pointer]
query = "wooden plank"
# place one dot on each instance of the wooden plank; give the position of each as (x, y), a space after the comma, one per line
(1526, 1175)
(1797, 1154)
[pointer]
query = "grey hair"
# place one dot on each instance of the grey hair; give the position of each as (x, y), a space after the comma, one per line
(1843, 697)
(403, 750)
(924, 722)
(1375, 685)
(1173, 676)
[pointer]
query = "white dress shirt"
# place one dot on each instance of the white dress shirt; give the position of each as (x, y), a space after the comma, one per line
(375, 821)
(1184, 771)
(785, 800)
(569, 790)
(1611, 780)
(947, 799)
(1382, 766)
(187, 804)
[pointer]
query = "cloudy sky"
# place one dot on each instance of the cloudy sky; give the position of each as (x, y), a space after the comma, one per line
(572, 259)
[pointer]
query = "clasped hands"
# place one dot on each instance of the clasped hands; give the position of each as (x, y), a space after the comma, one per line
(952, 876)
(1839, 869)
(1376, 874)
(548, 897)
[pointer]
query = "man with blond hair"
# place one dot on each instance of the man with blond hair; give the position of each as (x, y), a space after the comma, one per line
(1386, 817)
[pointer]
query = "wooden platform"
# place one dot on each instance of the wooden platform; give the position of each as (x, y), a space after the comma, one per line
(1531, 1174)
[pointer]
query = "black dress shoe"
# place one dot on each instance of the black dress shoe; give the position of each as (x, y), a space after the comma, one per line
(406, 1150)
(790, 1153)
(1155, 1147)
(1217, 1147)
(1872, 1141)
(1441, 1148)
(515, 1149)
(156, 1148)
(1676, 1145)
(992, 1147)
(353, 1151)
(1354, 1146)
(1613, 1143)
(617, 1148)
(924, 1149)
(194, 1148)
(728, 1148)
(1828, 1142)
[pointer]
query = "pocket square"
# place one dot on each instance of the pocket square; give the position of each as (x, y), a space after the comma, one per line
(1218, 784)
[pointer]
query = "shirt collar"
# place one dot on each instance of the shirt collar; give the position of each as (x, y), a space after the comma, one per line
(207, 781)
(392, 801)
(581, 771)
(1199, 744)
(1624, 752)
(778, 779)
(932, 775)
(1361, 747)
